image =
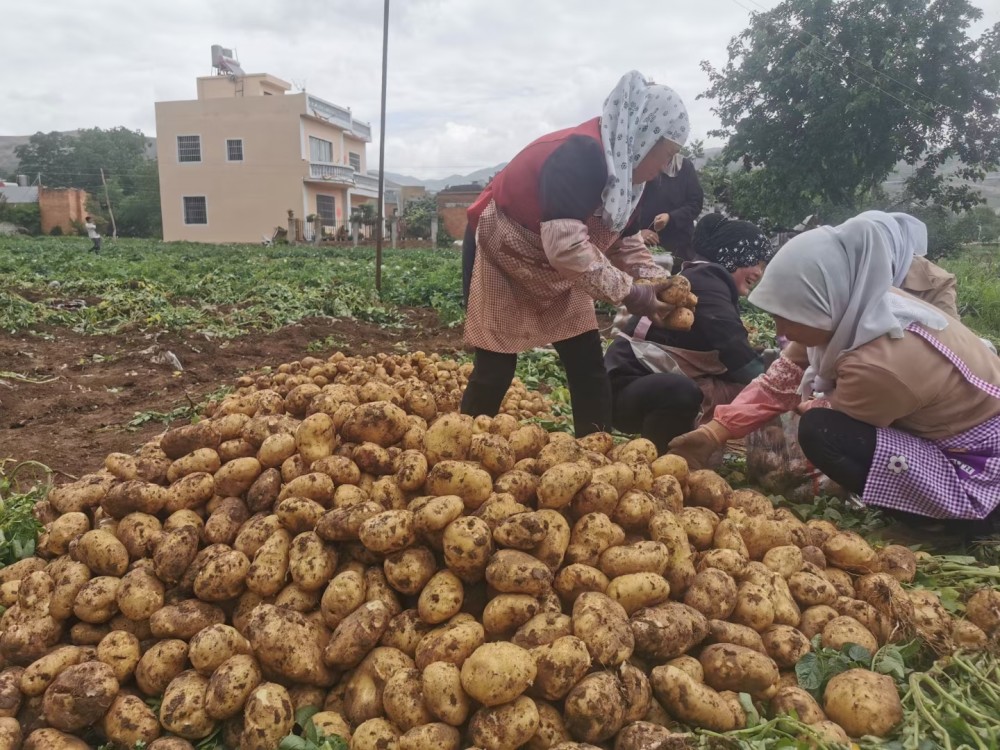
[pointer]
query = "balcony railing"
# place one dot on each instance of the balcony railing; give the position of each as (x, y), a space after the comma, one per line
(330, 112)
(362, 130)
(332, 172)
(366, 182)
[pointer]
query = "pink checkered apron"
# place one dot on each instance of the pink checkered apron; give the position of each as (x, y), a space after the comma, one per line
(517, 300)
(957, 477)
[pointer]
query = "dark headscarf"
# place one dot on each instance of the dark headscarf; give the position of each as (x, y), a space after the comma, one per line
(731, 243)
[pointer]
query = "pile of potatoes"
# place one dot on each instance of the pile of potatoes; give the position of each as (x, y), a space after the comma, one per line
(424, 384)
(432, 582)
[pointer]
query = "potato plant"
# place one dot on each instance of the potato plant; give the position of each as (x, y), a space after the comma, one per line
(334, 535)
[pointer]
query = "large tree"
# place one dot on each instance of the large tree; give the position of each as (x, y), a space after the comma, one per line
(827, 96)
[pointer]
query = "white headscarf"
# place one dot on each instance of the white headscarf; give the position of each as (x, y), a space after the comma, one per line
(907, 239)
(673, 167)
(839, 279)
(636, 115)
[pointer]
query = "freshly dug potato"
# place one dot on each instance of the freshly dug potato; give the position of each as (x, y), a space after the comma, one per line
(729, 561)
(795, 700)
(552, 550)
(62, 531)
(497, 673)
(504, 727)
(643, 735)
(101, 551)
(469, 482)
(637, 693)
(375, 734)
(720, 631)
(10, 691)
(810, 589)
(449, 437)
(52, 739)
(443, 693)
(543, 628)
(130, 721)
(41, 672)
(638, 557)
(898, 561)
(231, 685)
(863, 703)
(183, 708)
(223, 577)
(706, 489)
(96, 601)
(594, 709)
(79, 696)
(210, 647)
(713, 593)
(849, 551)
(667, 630)
(441, 598)
(699, 525)
(184, 619)
(692, 702)
(966, 635)
(814, 619)
(602, 624)
(637, 590)
(267, 717)
(160, 664)
(754, 605)
(522, 531)
(983, 609)
(409, 570)
(560, 665)
(559, 484)
(505, 613)
(139, 594)
(522, 485)
(551, 728)
(431, 736)
(403, 700)
(731, 667)
(785, 644)
(514, 572)
(121, 651)
(843, 630)
(357, 634)
(468, 546)
(331, 724)
(784, 560)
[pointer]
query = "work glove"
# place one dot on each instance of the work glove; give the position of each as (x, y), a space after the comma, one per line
(768, 356)
(642, 300)
(698, 446)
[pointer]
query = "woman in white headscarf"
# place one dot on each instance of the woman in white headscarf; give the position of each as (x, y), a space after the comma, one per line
(553, 232)
(905, 401)
(911, 271)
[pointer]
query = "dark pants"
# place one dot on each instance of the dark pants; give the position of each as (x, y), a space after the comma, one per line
(468, 260)
(843, 448)
(97, 244)
(659, 406)
(589, 387)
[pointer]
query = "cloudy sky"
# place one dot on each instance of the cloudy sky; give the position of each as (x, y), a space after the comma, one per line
(470, 81)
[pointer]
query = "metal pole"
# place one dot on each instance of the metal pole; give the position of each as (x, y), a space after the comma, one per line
(381, 151)
(107, 198)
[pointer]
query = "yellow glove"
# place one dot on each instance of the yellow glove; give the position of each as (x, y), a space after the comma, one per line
(698, 446)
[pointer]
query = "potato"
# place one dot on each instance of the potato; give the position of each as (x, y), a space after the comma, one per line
(186, 439)
(79, 696)
(331, 724)
(643, 556)
(314, 486)
(375, 734)
(121, 651)
(543, 628)
(983, 609)
(269, 569)
(637, 590)
(183, 709)
(264, 491)
(344, 523)
(405, 631)
(34, 593)
(357, 634)
(784, 560)
(521, 484)
(596, 497)
(345, 593)
(523, 531)
(191, 492)
(62, 531)
(692, 702)
(560, 665)
(199, 460)
(468, 547)
(528, 441)
(754, 606)
(275, 450)
(139, 497)
(411, 472)
(444, 696)
(441, 598)
(130, 721)
(785, 645)
(404, 700)
(591, 535)
(222, 577)
(53, 739)
(814, 619)
(810, 589)
(231, 685)
(849, 551)
(560, 483)
(225, 520)
(515, 572)
(699, 525)
(453, 643)
(101, 551)
(795, 700)
(139, 594)
(968, 636)
(159, 665)
(174, 553)
(667, 630)
(504, 727)
(290, 646)
(643, 735)
(41, 672)
(449, 437)
(10, 691)
(311, 562)
(899, 562)
(95, 602)
(432, 736)
(409, 570)
(706, 489)
(552, 550)
(505, 613)
(467, 481)
(576, 579)
(713, 593)
(594, 709)
(267, 717)
(497, 673)
(720, 631)
(387, 532)
(863, 703)
(210, 647)
(843, 630)
(184, 619)
(603, 625)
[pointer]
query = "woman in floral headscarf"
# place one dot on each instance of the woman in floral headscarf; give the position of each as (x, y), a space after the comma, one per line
(553, 234)
(664, 382)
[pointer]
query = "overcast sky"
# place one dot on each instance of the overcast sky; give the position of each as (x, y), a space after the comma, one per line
(470, 81)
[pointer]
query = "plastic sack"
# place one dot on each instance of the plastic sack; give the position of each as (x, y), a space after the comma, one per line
(776, 464)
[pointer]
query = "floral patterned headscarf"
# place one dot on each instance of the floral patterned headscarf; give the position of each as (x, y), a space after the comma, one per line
(637, 114)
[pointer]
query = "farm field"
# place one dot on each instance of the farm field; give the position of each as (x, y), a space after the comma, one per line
(89, 353)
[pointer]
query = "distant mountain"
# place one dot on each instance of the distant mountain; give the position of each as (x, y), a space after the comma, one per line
(435, 185)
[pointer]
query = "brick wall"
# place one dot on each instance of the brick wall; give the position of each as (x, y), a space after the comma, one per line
(452, 208)
(61, 207)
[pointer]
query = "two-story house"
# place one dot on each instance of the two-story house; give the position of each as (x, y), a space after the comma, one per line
(235, 160)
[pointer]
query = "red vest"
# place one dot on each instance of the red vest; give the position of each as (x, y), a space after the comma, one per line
(515, 188)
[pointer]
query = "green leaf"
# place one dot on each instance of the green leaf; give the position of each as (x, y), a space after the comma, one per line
(858, 653)
(304, 714)
(809, 672)
(888, 660)
(292, 742)
(753, 716)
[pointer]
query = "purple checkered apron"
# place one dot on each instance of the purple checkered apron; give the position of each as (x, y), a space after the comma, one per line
(957, 477)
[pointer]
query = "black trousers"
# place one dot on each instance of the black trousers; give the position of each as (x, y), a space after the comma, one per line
(468, 260)
(838, 445)
(589, 387)
(659, 406)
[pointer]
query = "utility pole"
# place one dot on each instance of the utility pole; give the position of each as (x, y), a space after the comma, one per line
(381, 152)
(107, 199)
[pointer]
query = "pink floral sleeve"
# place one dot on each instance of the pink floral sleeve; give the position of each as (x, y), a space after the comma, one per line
(773, 393)
(568, 248)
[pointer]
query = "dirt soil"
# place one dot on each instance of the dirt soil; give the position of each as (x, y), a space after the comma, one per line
(98, 384)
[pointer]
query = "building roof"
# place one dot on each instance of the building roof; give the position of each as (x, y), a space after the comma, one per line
(16, 194)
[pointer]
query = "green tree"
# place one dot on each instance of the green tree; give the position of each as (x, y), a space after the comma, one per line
(829, 95)
(417, 217)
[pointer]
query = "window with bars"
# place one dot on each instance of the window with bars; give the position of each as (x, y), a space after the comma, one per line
(320, 150)
(234, 149)
(326, 209)
(188, 148)
(355, 161)
(195, 209)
